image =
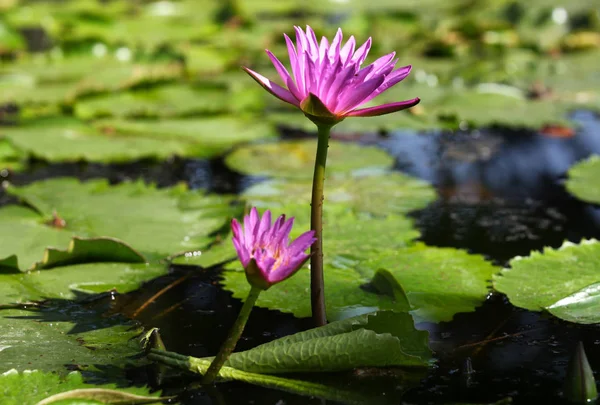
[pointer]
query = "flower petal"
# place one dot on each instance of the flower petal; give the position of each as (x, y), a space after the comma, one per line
(393, 78)
(313, 44)
(288, 269)
(283, 73)
(236, 228)
(301, 243)
(383, 109)
(295, 68)
(347, 50)
(263, 226)
(361, 53)
(273, 88)
(334, 49)
(242, 252)
(354, 97)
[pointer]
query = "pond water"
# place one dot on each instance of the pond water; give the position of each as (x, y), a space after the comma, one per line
(501, 194)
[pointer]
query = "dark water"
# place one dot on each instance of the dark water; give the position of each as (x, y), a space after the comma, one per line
(501, 194)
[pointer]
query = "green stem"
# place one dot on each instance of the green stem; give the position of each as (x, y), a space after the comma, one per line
(233, 337)
(317, 287)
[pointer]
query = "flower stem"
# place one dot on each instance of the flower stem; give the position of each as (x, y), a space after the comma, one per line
(317, 287)
(234, 335)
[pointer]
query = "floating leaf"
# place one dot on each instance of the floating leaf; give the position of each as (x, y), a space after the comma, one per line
(389, 193)
(439, 282)
(381, 339)
(296, 159)
(560, 280)
(100, 395)
(93, 250)
(67, 139)
(157, 222)
(35, 388)
(56, 335)
(173, 100)
(583, 180)
(44, 80)
(580, 307)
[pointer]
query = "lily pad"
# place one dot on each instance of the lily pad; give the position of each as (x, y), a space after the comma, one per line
(173, 100)
(57, 335)
(61, 80)
(382, 339)
(438, 282)
(10, 157)
(157, 222)
(388, 193)
(296, 159)
(560, 280)
(583, 180)
(67, 139)
(29, 387)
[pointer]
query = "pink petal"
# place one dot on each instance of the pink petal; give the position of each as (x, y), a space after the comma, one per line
(288, 269)
(301, 41)
(347, 50)
(301, 243)
(334, 49)
(323, 48)
(313, 44)
(283, 234)
(273, 88)
(295, 68)
(355, 96)
(361, 53)
(283, 73)
(396, 76)
(332, 93)
(263, 226)
(250, 226)
(242, 253)
(383, 109)
(237, 230)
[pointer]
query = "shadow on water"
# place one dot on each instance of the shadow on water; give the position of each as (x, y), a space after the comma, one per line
(501, 194)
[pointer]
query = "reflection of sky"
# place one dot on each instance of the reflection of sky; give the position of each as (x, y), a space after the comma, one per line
(507, 164)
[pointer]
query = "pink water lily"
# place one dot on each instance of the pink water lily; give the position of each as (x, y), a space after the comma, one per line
(265, 249)
(327, 82)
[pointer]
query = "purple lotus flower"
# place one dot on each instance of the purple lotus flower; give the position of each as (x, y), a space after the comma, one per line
(328, 83)
(265, 250)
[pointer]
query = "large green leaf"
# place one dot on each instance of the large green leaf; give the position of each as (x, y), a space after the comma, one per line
(157, 222)
(381, 339)
(583, 180)
(33, 387)
(67, 139)
(439, 282)
(62, 334)
(388, 193)
(296, 159)
(47, 80)
(560, 280)
(171, 100)
(10, 157)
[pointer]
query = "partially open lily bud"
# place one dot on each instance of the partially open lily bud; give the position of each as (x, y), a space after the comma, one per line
(265, 250)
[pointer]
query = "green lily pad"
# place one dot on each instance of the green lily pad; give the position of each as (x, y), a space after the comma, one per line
(67, 139)
(583, 180)
(296, 159)
(33, 387)
(45, 80)
(382, 339)
(580, 307)
(157, 222)
(58, 335)
(560, 280)
(439, 282)
(173, 100)
(388, 193)
(10, 157)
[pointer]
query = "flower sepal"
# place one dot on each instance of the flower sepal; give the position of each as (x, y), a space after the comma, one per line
(316, 111)
(255, 277)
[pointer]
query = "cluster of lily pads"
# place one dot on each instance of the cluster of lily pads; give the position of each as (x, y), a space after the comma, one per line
(108, 89)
